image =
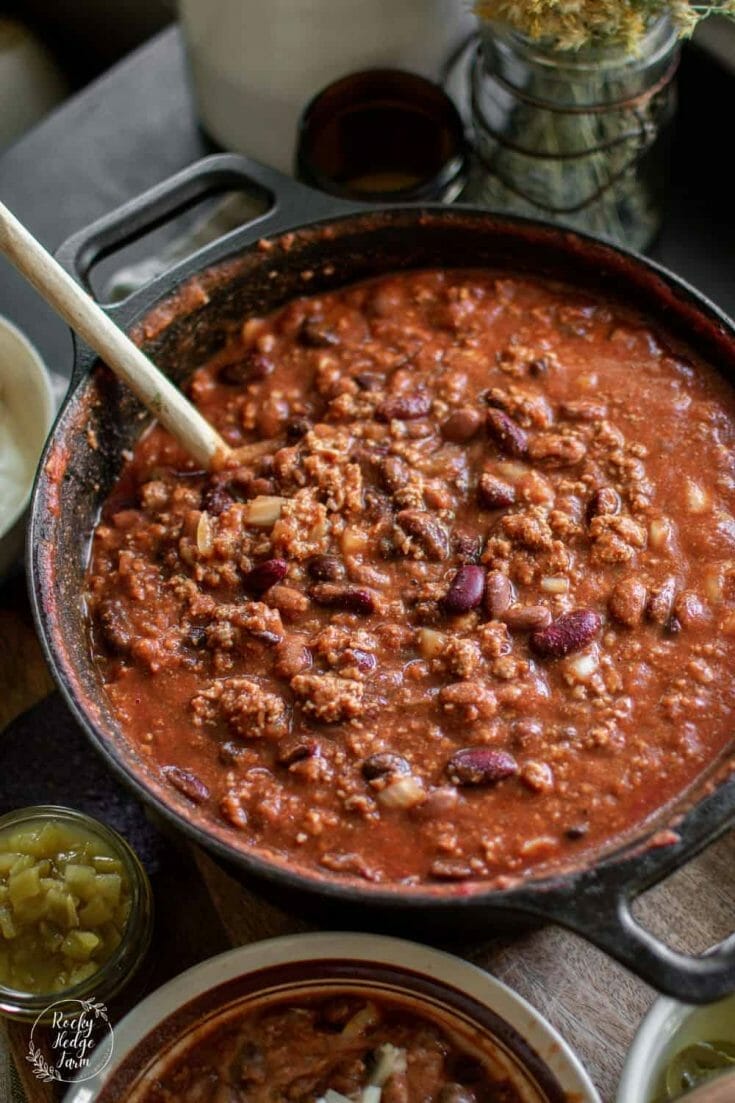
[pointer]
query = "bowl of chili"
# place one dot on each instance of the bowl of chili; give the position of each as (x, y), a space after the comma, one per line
(208, 322)
(337, 1015)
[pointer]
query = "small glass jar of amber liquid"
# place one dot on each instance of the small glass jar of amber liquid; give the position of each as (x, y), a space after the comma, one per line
(383, 136)
(76, 910)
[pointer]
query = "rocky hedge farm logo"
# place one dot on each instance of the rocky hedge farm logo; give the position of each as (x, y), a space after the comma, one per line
(77, 1043)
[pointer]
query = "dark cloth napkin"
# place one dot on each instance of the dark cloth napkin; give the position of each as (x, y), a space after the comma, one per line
(45, 758)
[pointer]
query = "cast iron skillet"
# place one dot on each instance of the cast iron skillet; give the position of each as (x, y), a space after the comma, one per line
(335, 243)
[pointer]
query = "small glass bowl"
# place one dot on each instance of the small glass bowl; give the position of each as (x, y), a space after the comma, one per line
(120, 967)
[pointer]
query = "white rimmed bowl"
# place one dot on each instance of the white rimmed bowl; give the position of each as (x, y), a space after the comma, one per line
(26, 413)
(442, 987)
(669, 1027)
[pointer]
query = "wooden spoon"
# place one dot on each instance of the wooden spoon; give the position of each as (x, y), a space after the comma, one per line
(86, 318)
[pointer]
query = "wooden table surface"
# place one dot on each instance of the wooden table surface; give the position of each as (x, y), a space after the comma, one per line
(107, 147)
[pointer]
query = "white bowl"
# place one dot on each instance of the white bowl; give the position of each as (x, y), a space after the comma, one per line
(448, 988)
(26, 415)
(667, 1028)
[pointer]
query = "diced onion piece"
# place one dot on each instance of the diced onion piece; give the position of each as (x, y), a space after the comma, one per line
(354, 541)
(371, 1094)
(697, 498)
(660, 532)
(511, 471)
(714, 583)
(431, 642)
(263, 511)
(204, 534)
(331, 1096)
(405, 792)
(582, 667)
(555, 585)
(390, 1060)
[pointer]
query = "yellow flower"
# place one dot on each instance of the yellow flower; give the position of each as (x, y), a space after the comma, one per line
(569, 24)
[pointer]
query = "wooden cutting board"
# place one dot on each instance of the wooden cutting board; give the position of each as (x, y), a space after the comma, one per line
(594, 1003)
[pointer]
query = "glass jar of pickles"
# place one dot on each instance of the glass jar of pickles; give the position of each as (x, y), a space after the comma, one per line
(75, 910)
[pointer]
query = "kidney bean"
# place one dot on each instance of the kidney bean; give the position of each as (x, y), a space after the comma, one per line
(430, 533)
(187, 783)
(265, 575)
(315, 334)
(297, 427)
(493, 493)
(577, 831)
(369, 381)
(627, 602)
(216, 498)
(394, 472)
(466, 590)
(498, 594)
(340, 595)
(570, 632)
(295, 748)
(384, 764)
(325, 568)
(253, 367)
(465, 546)
(661, 601)
(527, 618)
(481, 766)
(403, 407)
(506, 433)
(461, 426)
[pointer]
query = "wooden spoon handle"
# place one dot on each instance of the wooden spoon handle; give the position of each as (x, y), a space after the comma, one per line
(87, 319)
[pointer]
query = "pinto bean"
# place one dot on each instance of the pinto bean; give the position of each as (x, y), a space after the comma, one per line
(292, 657)
(688, 609)
(570, 632)
(187, 783)
(527, 618)
(295, 748)
(481, 766)
(466, 590)
(603, 502)
(661, 601)
(506, 433)
(498, 594)
(265, 575)
(493, 493)
(325, 568)
(430, 533)
(461, 426)
(340, 595)
(403, 407)
(627, 602)
(384, 764)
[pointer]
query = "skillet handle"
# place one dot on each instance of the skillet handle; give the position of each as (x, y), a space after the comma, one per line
(290, 204)
(598, 906)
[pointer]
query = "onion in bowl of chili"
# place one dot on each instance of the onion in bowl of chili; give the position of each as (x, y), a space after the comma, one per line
(326, 1014)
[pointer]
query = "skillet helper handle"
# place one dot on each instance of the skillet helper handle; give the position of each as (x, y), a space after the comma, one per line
(290, 204)
(598, 906)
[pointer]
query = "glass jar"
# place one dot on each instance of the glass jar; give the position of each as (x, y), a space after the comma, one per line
(578, 137)
(124, 962)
